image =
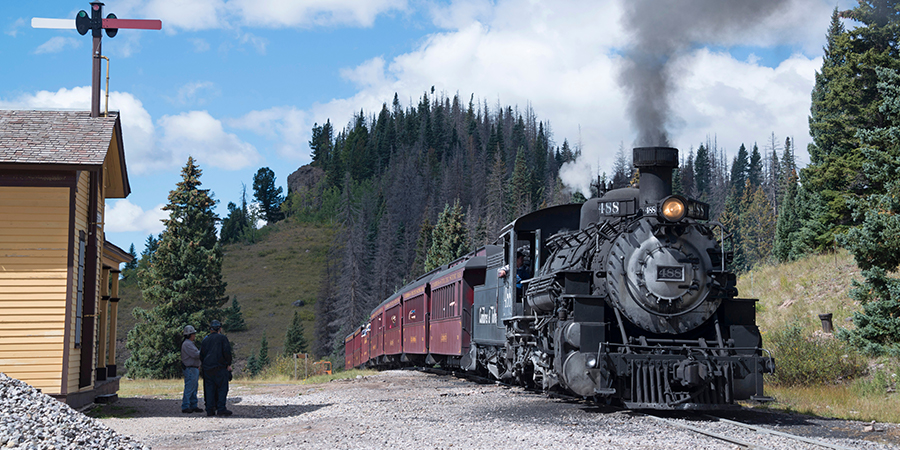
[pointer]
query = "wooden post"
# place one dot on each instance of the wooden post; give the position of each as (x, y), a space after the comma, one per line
(113, 323)
(101, 315)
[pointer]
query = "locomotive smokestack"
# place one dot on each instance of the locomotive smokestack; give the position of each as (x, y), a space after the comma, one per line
(655, 164)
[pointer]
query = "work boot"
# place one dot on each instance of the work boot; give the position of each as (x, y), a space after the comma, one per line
(224, 412)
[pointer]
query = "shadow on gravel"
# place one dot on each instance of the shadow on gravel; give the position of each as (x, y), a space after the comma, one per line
(153, 407)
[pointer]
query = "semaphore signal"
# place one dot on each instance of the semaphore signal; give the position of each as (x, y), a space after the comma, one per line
(95, 23)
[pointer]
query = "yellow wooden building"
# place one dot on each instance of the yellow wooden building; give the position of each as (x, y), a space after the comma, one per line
(58, 275)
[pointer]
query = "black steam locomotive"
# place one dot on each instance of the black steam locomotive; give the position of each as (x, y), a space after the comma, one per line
(633, 304)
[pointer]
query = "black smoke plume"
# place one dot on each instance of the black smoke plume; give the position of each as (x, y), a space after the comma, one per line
(664, 30)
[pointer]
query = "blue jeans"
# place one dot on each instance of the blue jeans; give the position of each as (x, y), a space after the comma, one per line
(191, 379)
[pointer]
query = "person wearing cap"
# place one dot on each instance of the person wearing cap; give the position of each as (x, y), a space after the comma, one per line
(215, 357)
(190, 363)
(523, 272)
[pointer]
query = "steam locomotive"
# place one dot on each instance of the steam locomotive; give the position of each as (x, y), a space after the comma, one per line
(632, 304)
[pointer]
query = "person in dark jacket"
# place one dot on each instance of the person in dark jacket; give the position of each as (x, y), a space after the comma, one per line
(215, 357)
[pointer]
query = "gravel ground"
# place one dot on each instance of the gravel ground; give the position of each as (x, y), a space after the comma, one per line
(408, 409)
(31, 420)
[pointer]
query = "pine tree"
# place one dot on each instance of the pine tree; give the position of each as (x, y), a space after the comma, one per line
(702, 175)
(321, 145)
(845, 100)
(263, 358)
(253, 366)
(689, 187)
(233, 317)
(757, 228)
(183, 281)
(875, 241)
(239, 225)
(495, 213)
(754, 169)
(740, 168)
(787, 224)
(268, 196)
(131, 265)
(294, 340)
(423, 246)
(518, 197)
(449, 239)
(622, 169)
(147, 255)
(129, 271)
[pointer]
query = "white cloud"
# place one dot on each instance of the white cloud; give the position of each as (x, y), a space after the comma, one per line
(743, 102)
(194, 133)
(192, 93)
(367, 74)
(200, 45)
(198, 15)
(277, 13)
(13, 29)
(562, 59)
(198, 134)
(138, 131)
(289, 127)
(460, 13)
(190, 15)
(124, 216)
(259, 43)
(57, 44)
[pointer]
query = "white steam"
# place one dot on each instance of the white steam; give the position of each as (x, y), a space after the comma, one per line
(577, 175)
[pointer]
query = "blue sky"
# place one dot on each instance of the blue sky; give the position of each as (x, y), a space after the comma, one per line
(238, 84)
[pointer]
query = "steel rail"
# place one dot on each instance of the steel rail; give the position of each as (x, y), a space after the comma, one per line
(779, 433)
(711, 434)
(671, 422)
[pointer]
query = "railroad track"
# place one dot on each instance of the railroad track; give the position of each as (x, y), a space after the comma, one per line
(672, 422)
(738, 441)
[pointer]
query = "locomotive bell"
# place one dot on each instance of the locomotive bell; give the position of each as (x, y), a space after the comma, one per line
(656, 165)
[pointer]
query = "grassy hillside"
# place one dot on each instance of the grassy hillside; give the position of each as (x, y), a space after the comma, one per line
(801, 290)
(286, 265)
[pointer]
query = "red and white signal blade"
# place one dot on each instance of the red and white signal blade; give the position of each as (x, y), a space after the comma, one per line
(138, 24)
(40, 22)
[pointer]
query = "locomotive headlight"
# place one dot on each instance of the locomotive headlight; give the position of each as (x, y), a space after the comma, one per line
(591, 362)
(673, 209)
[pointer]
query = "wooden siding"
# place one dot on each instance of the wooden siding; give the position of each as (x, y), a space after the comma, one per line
(82, 201)
(34, 237)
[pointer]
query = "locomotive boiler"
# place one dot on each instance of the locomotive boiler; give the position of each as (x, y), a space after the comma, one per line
(631, 302)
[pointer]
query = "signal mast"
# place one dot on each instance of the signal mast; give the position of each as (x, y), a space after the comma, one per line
(95, 23)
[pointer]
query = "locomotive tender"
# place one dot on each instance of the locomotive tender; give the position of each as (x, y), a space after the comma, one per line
(631, 303)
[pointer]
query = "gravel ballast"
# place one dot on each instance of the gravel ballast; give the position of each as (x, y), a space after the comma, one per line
(408, 409)
(32, 420)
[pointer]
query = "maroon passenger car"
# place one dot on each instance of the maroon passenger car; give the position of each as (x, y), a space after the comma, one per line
(450, 319)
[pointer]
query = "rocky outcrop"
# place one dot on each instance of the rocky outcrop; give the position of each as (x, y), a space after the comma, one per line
(305, 177)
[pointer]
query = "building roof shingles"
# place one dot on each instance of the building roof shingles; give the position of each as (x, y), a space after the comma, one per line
(54, 137)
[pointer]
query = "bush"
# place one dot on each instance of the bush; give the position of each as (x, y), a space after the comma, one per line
(882, 380)
(804, 360)
(283, 367)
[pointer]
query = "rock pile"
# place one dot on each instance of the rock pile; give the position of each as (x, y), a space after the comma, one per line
(32, 420)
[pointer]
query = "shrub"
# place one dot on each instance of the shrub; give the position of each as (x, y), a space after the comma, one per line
(882, 380)
(804, 360)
